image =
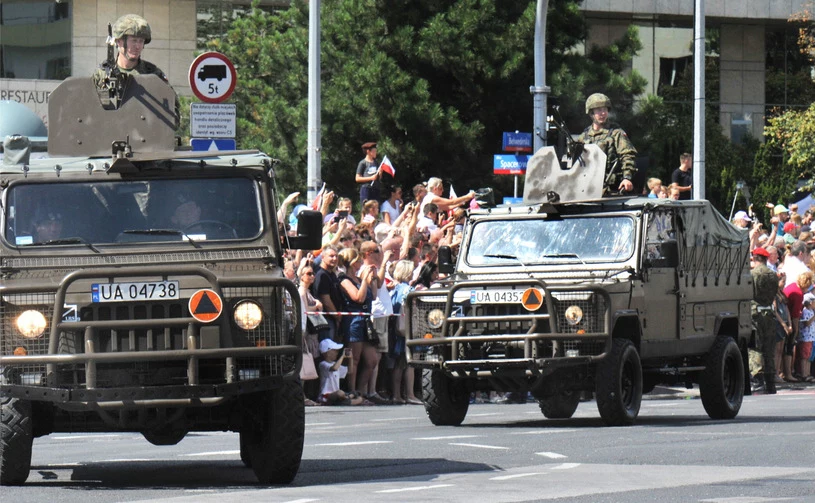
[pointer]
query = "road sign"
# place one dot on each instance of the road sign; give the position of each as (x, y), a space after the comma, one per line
(212, 77)
(517, 142)
(212, 120)
(212, 144)
(510, 164)
(206, 305)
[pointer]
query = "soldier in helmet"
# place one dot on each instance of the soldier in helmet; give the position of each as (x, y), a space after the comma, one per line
(620, 166)
(129, 36)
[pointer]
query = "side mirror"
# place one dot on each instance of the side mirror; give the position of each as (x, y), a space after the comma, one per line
(309, 231)
(445, 260)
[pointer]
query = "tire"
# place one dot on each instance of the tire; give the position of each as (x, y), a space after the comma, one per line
(445, 400)
(275, 433)
(560, 406)
(722, 382)
(165, 436)
(16, 440)
(618, 384)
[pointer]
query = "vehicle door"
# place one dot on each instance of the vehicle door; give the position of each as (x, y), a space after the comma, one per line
(660, 281)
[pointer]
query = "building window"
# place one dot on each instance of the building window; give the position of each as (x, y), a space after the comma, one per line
(36, 39)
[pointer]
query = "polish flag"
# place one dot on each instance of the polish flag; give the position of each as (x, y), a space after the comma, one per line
(318, 199)
(387, 167)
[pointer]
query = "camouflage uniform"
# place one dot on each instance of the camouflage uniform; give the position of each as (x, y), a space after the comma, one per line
(142, 68)
(619, 150)
(765, 286)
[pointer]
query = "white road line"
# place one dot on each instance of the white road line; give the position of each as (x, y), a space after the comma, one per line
(480, 446)
(449, 437)
(391, 419)
(83, 437)
(212, 453)
(302, 500)
(120, 460)
(420, 488)
(63, 465)
(744, 499)
(485, 414)
(565, 466)
(551, 455)
(540, 432)
(516, 476)
(320, 424)
(348, 444)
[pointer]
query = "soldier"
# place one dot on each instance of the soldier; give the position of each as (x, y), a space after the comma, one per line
(620, 167)
(129, 36)
(765, 287)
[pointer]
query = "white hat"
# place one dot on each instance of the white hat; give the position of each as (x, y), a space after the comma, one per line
(327, 345)
(742, 215)
(808, 297)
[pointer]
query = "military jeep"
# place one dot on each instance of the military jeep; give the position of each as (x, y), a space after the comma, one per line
(563, 296)
(141, 287)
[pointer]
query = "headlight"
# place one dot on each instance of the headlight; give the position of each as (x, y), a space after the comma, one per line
(573, 315)
(435, 318)
(31, 324)
(247, 314)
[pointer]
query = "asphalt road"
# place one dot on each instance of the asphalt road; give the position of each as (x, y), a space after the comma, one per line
(503, 453)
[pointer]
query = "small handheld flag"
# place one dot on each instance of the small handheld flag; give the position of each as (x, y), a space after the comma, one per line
(387, 167)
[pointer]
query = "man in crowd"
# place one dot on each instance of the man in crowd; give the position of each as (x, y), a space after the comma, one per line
(765, 287)
(682, 178)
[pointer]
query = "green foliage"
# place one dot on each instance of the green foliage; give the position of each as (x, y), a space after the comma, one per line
(434, 82)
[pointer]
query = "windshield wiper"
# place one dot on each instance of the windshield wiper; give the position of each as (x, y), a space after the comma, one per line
(67, 241)
(565, 255)
(163, 232)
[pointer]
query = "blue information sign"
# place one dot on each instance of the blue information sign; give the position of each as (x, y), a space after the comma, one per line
(513, 200)
(517, 142)
(510, 164)
(206, 144)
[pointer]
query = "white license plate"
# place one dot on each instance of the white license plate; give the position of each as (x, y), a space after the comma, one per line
(496, 296)
(130, 292)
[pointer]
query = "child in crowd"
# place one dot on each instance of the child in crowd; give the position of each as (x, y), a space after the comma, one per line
(803, 349)
(331, 371)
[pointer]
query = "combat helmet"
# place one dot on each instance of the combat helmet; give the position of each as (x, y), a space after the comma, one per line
(597, 100)
(133, 25)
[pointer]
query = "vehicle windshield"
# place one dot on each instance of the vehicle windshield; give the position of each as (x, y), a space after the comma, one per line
(538, 241)
(193, 210)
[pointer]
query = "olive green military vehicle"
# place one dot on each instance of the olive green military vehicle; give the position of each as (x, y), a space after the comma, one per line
(141, 287)
(570, 294)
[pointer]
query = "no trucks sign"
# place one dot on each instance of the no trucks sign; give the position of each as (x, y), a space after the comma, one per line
(212, 77)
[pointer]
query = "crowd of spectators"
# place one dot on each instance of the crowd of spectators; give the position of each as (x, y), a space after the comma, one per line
(359, 280)
(788, 243)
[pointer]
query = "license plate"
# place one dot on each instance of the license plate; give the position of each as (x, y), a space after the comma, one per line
(134, 292)
(496, 296)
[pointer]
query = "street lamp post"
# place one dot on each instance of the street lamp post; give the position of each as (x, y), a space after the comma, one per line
(540, 89)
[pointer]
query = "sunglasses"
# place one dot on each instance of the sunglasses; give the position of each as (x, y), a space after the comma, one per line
(308, 273)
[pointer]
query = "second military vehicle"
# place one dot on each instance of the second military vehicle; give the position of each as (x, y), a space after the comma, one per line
(572, 294)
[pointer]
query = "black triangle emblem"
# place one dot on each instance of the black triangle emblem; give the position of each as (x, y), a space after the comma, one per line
(205, 305)
(533, 297)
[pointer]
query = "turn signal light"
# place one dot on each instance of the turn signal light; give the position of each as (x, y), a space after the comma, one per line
(20, 351)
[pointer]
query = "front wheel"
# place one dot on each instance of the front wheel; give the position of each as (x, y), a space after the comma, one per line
(445, 400)
(618, 384)
(722, 381)
(274, 431)
(16, 440)
(561, 405)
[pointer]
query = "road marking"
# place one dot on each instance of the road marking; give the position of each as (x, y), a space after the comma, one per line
(347, 444)
(120, 460)
(565, 466)
(83, 437)
(485, 414)
(302, 500)
(320, 424)
(212, 453)
(449, 437)
(551, 455)
(391, 419)
(743, 499)
(516, 476)
(540, 432)
(480, 446)
(420, 488)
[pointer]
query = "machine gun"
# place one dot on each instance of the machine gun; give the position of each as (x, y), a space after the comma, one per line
(574, 148)
(112, 85)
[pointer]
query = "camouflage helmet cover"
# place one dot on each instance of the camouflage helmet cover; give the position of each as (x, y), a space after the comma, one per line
(133, 25)
(597, 100)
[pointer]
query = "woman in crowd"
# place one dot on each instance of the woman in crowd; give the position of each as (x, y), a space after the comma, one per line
(307, 304)
(355, 284)
(392, 206)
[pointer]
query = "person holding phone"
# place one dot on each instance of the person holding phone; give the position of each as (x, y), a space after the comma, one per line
(332, 369)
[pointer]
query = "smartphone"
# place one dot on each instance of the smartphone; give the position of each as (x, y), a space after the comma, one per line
(347, 351)
(341, 215)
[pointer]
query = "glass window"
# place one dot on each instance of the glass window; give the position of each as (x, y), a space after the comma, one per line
(132, 211)
(567, 241)
(36, 40)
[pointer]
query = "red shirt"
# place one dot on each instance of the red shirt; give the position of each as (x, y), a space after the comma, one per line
(795, 299)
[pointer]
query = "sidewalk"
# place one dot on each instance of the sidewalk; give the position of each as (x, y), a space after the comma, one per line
(681, 393)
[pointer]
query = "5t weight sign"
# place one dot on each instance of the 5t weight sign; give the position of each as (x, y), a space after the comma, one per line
(212, 77)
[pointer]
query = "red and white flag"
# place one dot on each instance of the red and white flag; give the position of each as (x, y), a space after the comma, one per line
(387, 167)
(452, 192)
(318, 199)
